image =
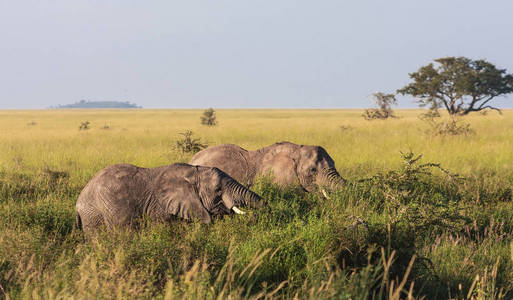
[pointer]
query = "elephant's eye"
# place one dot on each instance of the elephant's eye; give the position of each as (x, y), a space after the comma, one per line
(313, 170)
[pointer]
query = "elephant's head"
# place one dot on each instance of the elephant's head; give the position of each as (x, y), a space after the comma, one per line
(221, 194)
(316, 169)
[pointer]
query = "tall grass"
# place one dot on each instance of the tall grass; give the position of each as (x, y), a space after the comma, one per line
(401, 228)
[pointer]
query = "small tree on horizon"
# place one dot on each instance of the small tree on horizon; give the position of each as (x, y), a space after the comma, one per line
(384, 110)
(209, 117)
(458, 84)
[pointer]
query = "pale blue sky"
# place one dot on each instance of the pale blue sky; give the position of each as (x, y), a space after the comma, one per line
(236, 54)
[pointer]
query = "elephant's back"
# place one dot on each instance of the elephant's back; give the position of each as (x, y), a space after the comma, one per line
(115, 178)
(217, 155)
(113, 191)
(231, 159)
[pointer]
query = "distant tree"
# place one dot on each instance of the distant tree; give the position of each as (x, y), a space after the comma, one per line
(209, 117)
(459, 84)
(384, 110)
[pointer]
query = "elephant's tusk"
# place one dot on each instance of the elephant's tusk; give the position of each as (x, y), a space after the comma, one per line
(325, 194)
(238, 211)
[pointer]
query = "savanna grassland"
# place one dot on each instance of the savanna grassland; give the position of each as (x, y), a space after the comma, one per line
(437, 226)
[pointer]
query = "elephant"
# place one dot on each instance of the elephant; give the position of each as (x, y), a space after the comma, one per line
(119, 194)
(310, 166)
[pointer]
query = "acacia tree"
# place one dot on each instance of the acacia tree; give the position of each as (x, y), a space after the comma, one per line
(459, 84)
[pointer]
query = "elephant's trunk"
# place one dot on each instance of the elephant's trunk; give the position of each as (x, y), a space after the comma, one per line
(240, 195)
(332, 177)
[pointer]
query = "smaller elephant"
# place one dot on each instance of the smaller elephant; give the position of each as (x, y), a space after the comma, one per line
(119, 194)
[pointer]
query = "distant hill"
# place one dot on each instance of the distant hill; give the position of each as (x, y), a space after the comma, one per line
(98, 104)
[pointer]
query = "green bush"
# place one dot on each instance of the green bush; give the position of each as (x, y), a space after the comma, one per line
(189, 144)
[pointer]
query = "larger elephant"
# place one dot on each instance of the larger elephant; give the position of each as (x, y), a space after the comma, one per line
(310, 166)
(120, 194)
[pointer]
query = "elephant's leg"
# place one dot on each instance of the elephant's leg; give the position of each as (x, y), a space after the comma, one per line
(120, 214)
(90, 218)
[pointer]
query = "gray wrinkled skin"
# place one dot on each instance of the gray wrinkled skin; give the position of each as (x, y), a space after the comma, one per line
(289, 163)
(120, 194)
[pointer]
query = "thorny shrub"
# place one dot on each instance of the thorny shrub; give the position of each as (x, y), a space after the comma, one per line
(453, 127)
(415, 197)
(189, 144)
(84, 125)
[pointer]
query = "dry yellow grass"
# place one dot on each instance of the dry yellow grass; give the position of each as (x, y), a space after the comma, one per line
(147, 137)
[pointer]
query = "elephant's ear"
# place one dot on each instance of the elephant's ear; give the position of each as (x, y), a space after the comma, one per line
(186, 204)
(282, 167)
(294, 153)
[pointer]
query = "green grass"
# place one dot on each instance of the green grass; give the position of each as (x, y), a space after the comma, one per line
(446, 236)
